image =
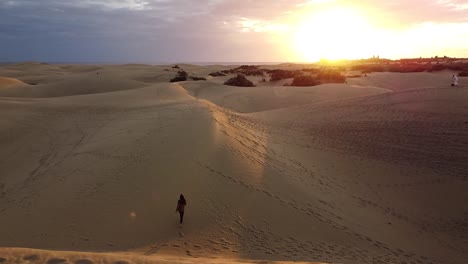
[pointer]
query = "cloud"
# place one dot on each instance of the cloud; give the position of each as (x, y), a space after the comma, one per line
(104, 4)
(112, 4)
(454, 5)
(56, 30)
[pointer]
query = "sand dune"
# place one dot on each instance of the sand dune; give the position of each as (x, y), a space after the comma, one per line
(352, 173)
(71, 86)
(268, 97)
(68, 80)
(405, 81)
(9, 82)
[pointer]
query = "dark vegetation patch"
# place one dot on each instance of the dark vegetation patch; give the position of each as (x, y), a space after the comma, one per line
(183, 76)
(463, 74)
(305, 80)
(437, 67)
(217, 74)
(180, 77)
(197, 78)
(331, 76)
(277, 75)
(304, 77)
(312, 70)
(322, 76)
(308, 77)
(410, 65)
(240, 80)
(458, 66)
(248, 70)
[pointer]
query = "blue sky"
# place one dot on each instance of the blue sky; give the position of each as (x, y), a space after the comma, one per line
(217, 30)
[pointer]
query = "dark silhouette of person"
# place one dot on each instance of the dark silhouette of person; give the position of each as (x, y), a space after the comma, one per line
(181, 207)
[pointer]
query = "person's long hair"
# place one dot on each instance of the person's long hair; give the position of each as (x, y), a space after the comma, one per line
(182, 199)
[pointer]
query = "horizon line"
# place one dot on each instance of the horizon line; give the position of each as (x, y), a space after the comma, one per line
(206, 63)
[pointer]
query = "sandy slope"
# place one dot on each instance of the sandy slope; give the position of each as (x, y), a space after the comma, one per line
(339, 173)
(6, 82)
(404, 81)
(268, 97)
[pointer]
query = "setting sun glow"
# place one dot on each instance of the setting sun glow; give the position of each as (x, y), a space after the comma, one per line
(335, 34)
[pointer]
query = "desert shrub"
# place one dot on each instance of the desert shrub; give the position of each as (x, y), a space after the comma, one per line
(331, 76)
(354, 76)
(437, 67)
(463, 74)
(197, 78)
(217, 74)
(228, 71)
(305, 80)
(402, 68)
(455, 67)
(276, 75)
(253, 73)
(248, 70)
(175, 67)
(239, 80)
(458, 66)
(180, 77)
(310, 70)
(247, 67)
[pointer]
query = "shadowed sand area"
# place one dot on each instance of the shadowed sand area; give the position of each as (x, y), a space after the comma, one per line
(93, 159)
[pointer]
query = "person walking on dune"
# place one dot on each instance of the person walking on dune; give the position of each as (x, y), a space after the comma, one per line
(454, 80)
(181, 207)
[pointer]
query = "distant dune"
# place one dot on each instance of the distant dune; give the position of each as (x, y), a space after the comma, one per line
(268, 97)
(94, 157)
(9, 82)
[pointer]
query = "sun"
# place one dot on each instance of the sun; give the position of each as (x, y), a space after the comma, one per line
(339, 33)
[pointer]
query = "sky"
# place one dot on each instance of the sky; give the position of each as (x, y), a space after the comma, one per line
(168, 31)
